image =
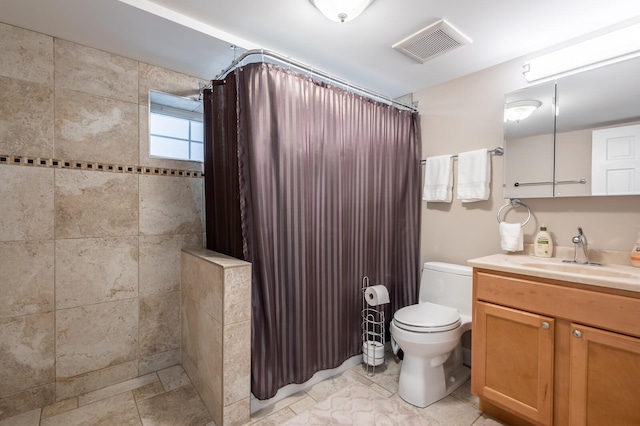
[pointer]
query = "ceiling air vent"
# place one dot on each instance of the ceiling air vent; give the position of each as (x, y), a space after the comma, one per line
(432, 41)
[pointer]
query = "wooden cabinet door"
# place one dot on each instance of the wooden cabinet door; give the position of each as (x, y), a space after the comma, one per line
(604, 378)
(512, 361)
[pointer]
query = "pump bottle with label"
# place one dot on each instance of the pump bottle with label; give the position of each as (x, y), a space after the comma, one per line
(543, 245)
(635, 253)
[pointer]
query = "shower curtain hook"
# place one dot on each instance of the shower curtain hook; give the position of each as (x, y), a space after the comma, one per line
(235, 52)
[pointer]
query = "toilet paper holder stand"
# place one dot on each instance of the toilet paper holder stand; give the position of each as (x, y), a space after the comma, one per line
(373, 332)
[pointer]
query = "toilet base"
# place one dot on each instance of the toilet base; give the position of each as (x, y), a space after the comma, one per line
(422, 385)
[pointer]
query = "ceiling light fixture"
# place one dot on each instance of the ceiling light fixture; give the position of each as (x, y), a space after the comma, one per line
(519, 110)
(602, 50)
(341, 10)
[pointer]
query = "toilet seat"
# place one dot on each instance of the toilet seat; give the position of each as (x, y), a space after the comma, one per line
(427, 318)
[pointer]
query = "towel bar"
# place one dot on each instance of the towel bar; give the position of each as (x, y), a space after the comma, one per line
(515, 202)
(497, 151)
(558, 182)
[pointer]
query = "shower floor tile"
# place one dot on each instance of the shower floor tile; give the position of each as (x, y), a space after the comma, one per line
(118, 410)
(178, 407)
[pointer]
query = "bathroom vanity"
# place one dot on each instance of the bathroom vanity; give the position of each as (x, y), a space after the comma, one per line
(556, 343)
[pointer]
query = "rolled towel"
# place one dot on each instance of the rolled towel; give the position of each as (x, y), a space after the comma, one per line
(438, 179)
(474, 176)
(511, 238)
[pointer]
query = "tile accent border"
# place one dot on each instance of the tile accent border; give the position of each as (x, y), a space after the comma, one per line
(52, 163)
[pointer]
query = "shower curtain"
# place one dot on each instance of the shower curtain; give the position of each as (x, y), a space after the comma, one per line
(319, 187)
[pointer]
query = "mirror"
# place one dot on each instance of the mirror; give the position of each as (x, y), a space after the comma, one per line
(596, 142)
(529, 143)
(175, 126)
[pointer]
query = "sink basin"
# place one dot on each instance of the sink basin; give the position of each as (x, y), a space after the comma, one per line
(610, 275)
(572, 268)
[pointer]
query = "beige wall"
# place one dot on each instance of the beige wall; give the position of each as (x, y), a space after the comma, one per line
(467, 114)
(89, 260)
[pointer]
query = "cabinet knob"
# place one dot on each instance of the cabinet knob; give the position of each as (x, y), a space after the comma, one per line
(577, 333)
(545, 325)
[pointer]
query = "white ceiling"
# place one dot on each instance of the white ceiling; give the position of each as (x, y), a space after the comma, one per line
(194, 36)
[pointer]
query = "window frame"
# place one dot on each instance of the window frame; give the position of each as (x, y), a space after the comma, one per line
(189, 116)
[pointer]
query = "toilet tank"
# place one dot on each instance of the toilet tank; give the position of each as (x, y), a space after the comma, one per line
(447, 284)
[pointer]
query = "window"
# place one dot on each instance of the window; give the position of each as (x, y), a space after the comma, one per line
(176, 130)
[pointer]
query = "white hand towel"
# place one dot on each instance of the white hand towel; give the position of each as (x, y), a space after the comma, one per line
(438, 179)
(511, 238)
(474, 176)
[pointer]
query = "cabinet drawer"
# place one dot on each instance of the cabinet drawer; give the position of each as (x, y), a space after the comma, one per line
(559, 300)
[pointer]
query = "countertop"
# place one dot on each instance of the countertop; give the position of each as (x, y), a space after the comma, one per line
(621, 277)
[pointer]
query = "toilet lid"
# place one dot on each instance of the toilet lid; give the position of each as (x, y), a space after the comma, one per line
(427, 317)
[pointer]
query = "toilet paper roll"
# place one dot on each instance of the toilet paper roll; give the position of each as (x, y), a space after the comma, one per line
(373, 353)
(376, 295)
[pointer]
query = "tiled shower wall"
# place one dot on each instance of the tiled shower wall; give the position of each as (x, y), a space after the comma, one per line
(216, 332)
(89, 260)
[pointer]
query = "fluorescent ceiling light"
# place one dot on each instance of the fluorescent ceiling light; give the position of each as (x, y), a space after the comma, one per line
(341, 10)
(602, 50)
(519, 110)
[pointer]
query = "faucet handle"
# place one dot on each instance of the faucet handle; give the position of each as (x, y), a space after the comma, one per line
(581, 237)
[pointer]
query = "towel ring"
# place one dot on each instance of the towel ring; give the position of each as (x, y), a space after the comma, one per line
(515, 203)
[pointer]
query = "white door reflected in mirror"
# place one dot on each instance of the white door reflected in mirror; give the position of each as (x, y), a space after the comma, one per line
(615, 166)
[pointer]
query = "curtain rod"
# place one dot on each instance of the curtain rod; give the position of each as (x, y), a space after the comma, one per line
(497, 151)
(324, 75)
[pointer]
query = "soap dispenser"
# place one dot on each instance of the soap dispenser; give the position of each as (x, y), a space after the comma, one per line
(635, 253)
(543, 245)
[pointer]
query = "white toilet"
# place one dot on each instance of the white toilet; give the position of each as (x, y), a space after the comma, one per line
(429, 334)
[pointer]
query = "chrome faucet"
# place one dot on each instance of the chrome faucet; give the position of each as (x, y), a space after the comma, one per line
(580, 244)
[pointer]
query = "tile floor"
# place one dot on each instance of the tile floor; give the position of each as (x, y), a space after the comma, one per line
(167, 398)
(457, 409)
